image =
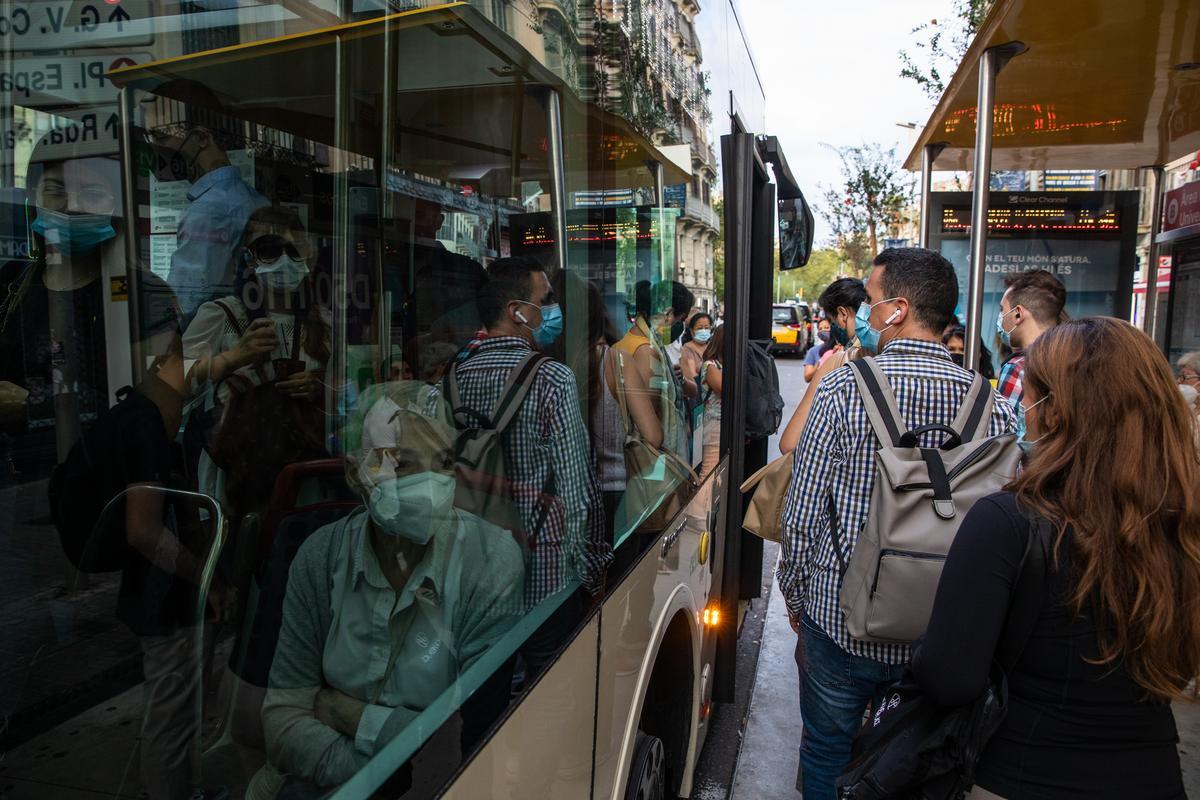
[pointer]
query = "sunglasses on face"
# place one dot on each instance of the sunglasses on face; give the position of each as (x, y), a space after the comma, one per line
(269, 249)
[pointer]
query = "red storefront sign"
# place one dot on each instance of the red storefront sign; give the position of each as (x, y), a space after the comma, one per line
(1181, 207)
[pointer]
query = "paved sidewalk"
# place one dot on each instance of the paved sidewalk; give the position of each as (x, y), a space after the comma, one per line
(771, 744)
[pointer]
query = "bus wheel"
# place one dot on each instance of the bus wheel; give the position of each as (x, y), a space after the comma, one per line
(647, 772)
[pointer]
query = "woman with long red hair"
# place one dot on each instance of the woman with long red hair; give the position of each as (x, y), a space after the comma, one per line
(1112, 469)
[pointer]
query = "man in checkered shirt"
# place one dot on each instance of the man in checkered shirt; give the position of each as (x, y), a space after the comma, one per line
(546, 446)
(911, 295)
(1033, 302)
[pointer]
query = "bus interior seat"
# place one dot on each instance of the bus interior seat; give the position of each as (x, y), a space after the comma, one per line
(307, 496)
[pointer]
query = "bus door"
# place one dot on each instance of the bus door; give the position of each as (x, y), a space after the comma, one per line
(752, 205)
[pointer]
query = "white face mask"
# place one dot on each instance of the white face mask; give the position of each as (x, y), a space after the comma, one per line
(283, 273)
(414, 507)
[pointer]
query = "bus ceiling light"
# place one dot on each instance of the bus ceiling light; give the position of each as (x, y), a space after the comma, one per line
(712, 616)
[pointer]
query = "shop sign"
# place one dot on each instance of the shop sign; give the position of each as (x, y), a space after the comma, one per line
(1181, 207)
(42, 81)
(32, 27)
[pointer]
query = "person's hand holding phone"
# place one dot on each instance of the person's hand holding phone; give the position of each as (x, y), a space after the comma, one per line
(256, 344)
(301, 384)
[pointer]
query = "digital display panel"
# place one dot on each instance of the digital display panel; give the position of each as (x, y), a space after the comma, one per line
(1037, 217)
(1084, 239)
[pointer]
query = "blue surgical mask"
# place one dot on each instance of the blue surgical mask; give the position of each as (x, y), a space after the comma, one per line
(551, 328)
(73, 234)
(284, 272)
(1027, 445)
(868, 337)
(703, 335)
(1005, 335)
(413, 507)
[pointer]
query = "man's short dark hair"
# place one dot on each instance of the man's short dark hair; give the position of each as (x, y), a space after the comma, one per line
(1039, 293)
(925, 279)
(508, 279)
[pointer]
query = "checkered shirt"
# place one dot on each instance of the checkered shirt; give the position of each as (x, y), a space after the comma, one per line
(835, 459)
(547, 437)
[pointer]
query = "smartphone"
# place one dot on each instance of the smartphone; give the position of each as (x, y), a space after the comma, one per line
(287, 367)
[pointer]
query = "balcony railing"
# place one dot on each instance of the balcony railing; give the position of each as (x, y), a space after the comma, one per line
(696, 209)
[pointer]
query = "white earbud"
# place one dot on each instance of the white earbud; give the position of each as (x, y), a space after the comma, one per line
(521, 317)
(892, 318)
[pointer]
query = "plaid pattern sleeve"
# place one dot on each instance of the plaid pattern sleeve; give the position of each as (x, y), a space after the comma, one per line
(834, 475)
(1009, 383)
(805, 510)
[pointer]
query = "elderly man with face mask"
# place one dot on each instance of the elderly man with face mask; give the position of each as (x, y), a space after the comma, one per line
(386, 608)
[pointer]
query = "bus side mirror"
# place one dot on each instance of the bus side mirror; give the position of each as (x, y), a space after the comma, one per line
(795, 233)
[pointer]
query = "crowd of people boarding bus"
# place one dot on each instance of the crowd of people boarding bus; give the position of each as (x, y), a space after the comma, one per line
(1062, 583)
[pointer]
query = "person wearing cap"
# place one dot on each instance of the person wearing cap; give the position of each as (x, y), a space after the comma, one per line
(387, 608)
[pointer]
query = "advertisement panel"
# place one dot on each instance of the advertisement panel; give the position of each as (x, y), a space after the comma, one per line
(1085, 239)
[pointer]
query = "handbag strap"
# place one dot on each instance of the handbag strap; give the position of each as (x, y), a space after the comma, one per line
(1027, 595)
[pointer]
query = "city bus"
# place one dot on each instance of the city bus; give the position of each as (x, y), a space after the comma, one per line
(285, 256)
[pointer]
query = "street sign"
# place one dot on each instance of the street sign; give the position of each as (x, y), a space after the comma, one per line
(40, 25)
(41, 81)
(78, 133)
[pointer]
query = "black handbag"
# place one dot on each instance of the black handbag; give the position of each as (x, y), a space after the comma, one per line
(914, 749)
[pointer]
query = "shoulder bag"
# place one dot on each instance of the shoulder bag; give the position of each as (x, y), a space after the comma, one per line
(913, 749)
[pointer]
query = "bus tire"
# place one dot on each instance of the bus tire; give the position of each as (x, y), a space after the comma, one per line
(647, 770)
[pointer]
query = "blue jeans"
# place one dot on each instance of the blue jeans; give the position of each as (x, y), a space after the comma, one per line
(835, 688)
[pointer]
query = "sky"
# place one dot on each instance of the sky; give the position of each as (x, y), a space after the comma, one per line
(830, 70)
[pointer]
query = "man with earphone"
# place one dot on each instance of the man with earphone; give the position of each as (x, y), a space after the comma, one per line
(911, 296)
(546, 446)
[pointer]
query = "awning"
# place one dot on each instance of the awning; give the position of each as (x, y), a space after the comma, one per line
(456, 83)
(1103, 84)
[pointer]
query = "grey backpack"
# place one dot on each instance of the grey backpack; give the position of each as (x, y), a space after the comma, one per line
(482, 484)
(918, 501)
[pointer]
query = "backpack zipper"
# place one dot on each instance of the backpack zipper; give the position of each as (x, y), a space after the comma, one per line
(902, 554)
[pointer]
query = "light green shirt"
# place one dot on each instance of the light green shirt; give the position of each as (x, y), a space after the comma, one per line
(345, 627)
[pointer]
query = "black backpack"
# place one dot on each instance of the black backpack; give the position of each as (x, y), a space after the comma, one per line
(912, 749)
(764, 404)
(91, 476)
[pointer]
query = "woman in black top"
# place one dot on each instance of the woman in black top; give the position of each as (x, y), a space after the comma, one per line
(1110, 465)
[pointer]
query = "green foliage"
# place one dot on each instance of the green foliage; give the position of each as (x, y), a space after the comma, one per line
(809, 281)
(941, 46)
(876, 192)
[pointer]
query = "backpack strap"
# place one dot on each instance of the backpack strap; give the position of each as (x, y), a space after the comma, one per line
(1027, 595)
(879, 400)
(516, 389)
(975, 413)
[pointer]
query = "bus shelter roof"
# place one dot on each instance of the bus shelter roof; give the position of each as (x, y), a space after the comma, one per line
(454, 73)
(1101, 84)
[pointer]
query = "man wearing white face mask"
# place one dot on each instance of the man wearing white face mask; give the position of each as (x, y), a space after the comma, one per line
(911, 295)
(387, 608)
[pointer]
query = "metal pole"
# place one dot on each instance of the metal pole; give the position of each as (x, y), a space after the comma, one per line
(928, 154)
(979, 203)
(558, 187)
(1150, 323)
